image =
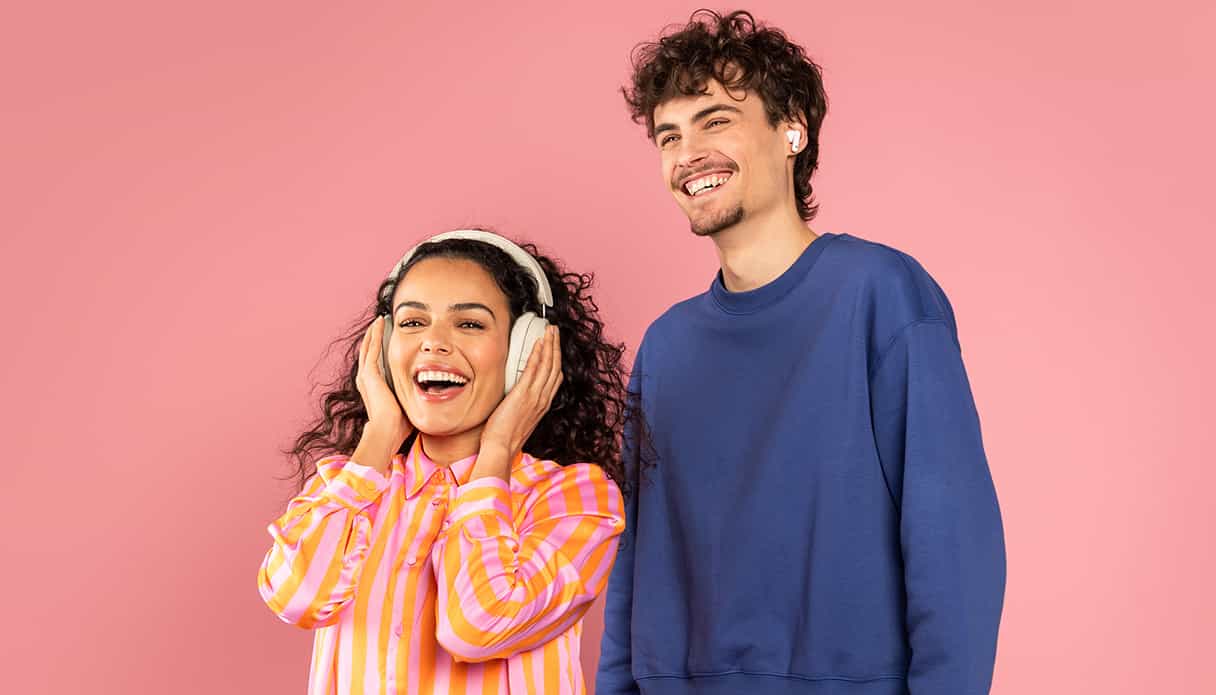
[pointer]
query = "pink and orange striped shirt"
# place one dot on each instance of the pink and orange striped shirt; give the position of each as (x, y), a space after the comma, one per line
(424, 582)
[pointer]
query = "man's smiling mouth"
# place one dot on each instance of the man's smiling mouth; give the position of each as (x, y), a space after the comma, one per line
(705, 184)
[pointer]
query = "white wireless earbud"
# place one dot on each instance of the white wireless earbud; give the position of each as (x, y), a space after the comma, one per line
(794, 137)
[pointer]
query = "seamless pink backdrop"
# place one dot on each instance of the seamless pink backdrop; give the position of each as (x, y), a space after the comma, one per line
(197, 199)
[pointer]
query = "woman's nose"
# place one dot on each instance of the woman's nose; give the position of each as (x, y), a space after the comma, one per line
(436, 343)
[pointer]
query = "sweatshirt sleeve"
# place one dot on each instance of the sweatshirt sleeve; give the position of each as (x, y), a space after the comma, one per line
(509, 585)
(614, 675)
(928, 435)
(320, 542)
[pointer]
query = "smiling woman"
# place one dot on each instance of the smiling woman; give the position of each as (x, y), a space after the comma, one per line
(450, 534)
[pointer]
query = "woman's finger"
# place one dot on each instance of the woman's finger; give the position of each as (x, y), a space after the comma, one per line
(363, 345)
(375, 343)
(544, 392)
(527, 380)
(553, 377)
(542, 364)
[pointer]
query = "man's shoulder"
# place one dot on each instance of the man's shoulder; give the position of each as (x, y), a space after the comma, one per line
(896, 284)
(895, 290)
(876, 261)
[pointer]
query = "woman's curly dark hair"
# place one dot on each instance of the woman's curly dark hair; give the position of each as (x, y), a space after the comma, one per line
(585, 420)
(739, 54)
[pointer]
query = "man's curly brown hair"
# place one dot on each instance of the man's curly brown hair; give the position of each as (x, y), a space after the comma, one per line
(739, 54)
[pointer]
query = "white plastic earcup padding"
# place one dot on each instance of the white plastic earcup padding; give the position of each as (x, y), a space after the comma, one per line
(527, 331)
(388, 333)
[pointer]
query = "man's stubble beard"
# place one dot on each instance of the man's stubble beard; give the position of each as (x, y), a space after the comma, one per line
(719, 222)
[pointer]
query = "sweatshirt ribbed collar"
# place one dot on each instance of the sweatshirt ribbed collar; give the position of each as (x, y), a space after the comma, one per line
(751, 301)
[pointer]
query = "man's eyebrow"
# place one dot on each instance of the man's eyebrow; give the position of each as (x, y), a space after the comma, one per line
(705, 112)
(698, 116)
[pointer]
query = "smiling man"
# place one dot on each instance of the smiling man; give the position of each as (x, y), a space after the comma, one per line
(811, 508)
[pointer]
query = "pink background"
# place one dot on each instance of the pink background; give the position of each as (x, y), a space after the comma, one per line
(196, 200)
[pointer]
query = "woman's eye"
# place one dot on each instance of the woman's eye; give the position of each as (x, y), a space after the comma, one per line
(410, 323)
(471, 324)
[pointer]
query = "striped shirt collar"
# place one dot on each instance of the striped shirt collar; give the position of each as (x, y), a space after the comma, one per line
(419, 468)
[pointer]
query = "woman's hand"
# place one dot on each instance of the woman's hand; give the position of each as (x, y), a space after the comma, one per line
(387, 425)
(516, 417)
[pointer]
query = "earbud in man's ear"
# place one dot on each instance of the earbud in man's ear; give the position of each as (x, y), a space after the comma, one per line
(794, 137)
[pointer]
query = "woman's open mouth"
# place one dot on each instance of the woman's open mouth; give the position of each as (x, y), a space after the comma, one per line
(439, 384)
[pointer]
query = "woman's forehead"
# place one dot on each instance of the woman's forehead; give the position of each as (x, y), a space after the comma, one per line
(442, 281)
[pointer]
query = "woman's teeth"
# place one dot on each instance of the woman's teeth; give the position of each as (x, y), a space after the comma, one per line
(430, 375)
(431, 380)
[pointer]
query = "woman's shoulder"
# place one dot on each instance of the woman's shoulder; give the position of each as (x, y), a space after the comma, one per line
(577, 482)
(328, 467)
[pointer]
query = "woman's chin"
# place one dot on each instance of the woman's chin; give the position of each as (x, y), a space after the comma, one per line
(436, 420)
(437, 428)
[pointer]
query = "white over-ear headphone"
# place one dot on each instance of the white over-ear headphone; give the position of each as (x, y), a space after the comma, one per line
(794, 137)
(527, 330)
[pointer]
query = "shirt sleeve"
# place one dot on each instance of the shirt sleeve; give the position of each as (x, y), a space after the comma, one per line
(928, 436)
(614, 675)
(320, 543)
(506, 586)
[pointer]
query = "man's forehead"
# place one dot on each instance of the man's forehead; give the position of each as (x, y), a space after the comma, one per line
(683, 107)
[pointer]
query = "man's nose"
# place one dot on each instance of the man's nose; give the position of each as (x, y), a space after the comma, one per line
(691, 151)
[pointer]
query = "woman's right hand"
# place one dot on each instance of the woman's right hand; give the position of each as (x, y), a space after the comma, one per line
(387, 425)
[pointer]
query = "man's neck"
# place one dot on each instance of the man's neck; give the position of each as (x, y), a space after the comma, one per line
(759, 249)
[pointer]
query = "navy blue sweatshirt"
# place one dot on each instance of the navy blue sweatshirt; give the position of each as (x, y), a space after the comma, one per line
(820, 518)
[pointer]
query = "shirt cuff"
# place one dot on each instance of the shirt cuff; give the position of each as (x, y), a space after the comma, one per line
(357, 486)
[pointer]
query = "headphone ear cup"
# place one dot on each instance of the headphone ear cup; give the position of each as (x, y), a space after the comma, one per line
(525, 333)
(388, 334)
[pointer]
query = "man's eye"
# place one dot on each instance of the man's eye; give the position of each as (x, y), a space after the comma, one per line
(472, 324)
(666, 140)
(410, 323)
(715, 122)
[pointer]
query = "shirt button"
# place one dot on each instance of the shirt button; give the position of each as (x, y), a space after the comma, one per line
(447, 523)
(411, 560)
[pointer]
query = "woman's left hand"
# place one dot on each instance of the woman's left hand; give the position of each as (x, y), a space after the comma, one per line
(515, 418)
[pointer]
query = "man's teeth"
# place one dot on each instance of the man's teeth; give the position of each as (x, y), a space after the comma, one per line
(430, 376)
(705, 183)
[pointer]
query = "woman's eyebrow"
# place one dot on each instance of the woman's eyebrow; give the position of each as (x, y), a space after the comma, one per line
(465, 306)
(412, 305)
(461, 306)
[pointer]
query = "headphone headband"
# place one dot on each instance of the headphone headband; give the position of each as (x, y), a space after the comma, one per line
(523, 258)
